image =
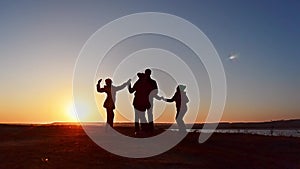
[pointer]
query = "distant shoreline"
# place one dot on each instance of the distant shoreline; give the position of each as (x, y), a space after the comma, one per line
(280, 124)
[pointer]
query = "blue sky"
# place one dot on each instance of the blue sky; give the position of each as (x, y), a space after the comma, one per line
(40, 41)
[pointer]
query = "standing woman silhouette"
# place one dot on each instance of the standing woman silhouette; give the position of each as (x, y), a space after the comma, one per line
(109, 103)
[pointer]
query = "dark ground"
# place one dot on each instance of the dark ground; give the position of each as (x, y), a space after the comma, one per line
(67, 146)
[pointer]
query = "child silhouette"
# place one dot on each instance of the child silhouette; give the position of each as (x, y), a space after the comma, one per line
(181, 100)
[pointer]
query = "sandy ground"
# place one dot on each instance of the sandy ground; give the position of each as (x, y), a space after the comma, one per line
(68, 147)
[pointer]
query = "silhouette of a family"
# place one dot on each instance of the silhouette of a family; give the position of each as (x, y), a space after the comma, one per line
(145, 89)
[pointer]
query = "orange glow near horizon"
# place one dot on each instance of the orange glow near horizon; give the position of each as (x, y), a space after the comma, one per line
(55, 105)
(61, 109)
(70, 110)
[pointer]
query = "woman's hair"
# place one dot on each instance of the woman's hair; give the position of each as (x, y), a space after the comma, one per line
(108, 81)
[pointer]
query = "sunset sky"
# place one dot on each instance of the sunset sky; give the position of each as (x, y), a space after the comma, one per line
(41, 40)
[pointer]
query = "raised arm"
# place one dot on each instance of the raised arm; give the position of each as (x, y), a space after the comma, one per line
(123, 85)
(99, 89)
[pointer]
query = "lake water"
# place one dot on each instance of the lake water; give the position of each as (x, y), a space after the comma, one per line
(286, 133)
(265, 132)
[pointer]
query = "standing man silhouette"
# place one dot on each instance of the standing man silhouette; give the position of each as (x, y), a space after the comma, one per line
(109, 102)
(151, 91)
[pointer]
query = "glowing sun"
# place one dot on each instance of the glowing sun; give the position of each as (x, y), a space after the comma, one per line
(71, 113)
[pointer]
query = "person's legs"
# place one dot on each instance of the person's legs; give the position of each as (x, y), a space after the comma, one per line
(136, 120)
(150, 118)
(143, 120)
(180, 122)
(139, 118)
(150, 114)
(109, 118)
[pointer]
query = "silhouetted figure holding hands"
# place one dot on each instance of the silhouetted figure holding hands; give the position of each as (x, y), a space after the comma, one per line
(109, 103)
(151, 91)
(181, 101)
(140, 103)
(145, 89)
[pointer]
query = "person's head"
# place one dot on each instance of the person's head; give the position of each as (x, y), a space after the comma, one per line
(181, 88)
(140, 75)
(108, 81)
(148, 72)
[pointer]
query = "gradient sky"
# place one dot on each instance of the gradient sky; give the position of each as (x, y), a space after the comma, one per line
(40, 41)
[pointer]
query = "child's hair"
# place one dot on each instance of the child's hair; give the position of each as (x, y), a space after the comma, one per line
(181, 87)
(140, 75)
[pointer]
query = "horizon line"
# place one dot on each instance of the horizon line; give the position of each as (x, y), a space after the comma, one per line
(118, 122)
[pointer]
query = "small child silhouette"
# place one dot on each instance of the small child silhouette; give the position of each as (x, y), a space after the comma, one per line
(181, 100)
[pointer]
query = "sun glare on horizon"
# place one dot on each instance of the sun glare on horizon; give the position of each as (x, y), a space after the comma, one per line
(71, 113)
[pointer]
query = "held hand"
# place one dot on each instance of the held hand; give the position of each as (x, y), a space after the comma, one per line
(129, 88)
(160, 98)
(99, 81)
(164, 99)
